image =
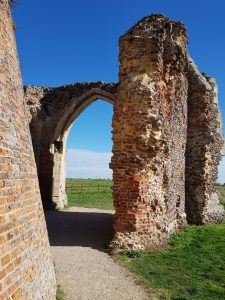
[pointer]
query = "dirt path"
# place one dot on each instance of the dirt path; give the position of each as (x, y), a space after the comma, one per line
(84, 270)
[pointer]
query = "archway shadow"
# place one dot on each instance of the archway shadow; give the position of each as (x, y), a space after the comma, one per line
(84, 229)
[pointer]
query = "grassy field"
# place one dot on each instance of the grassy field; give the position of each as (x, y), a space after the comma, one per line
(95, 193)
(193, 268)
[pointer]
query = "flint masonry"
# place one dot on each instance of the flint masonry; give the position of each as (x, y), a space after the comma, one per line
(167, 143)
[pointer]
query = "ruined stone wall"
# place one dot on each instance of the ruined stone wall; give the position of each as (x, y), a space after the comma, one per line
(53, 111)
(221, 130)
(223, 149)
(26, 268)
(166, 132)
(41, 144)
(203, 153)
(167, 145)
(149, 134)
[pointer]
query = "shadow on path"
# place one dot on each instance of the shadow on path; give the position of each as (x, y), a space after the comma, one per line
(85, 229)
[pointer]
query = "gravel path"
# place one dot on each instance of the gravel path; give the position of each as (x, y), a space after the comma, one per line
(78, 237)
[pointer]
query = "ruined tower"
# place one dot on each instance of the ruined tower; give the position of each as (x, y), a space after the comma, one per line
(166, 136)
(26, 267)
(149, 133)
(167, 146)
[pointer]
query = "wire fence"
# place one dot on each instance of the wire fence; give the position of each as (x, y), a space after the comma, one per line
(79, 188)
(93, 194)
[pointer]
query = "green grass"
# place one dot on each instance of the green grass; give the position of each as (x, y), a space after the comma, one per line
(91, 193)
(60, 295)
(97, 193)
(221, 192)
(192, 268)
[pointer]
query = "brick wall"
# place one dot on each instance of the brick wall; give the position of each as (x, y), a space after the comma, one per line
(26, 268)
(149, 134)
(203, 153)
(166, 134)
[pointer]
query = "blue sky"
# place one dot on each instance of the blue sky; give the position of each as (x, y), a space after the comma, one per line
(62, 42)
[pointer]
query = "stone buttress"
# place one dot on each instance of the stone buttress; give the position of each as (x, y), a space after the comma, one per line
(149, 134)
(203, 152)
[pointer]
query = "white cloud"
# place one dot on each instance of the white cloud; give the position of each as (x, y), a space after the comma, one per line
(221, 171)
(88, 164)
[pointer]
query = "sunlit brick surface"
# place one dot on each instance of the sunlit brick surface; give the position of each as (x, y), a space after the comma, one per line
(26, 268)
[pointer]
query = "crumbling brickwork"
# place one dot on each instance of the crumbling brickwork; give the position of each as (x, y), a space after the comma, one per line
(149, 134)
(26, 268)
(167, 138)
(203, 151)
(53, 111)
(167, 143)
(223, 150)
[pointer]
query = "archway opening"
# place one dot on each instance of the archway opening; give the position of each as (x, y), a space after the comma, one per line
(87, 177)
(89, 150)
